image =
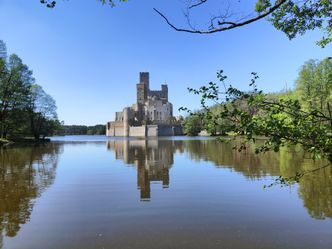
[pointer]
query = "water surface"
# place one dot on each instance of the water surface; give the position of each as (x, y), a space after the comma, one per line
(90, 192)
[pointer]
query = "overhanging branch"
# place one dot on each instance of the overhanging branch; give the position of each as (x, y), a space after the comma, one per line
(231, 25)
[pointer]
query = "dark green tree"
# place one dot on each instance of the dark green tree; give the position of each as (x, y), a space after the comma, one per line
(15, 81)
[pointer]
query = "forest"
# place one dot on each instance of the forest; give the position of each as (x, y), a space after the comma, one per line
(81, 130)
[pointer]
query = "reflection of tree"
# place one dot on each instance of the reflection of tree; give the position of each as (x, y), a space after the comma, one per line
(152, 158)
(316, 192)
(223, 155)
(25, 172)
(315, 189)
(286, 162)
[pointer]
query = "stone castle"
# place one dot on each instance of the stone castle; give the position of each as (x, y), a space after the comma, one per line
(151, 115)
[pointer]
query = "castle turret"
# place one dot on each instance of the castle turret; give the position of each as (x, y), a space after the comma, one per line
(126, 122)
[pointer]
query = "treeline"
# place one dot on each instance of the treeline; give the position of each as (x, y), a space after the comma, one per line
(311, 94)
(25, 108)
(81, 130)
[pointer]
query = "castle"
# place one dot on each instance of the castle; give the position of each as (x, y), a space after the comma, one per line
(151, 115)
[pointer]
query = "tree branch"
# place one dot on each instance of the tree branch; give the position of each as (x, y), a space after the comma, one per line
(197, 4)
(231, 24)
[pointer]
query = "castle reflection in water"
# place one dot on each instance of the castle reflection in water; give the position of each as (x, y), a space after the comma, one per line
(152, 158)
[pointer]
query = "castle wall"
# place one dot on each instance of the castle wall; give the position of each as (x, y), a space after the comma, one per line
(178, 130)
(117, 130)
(152, 130)
(114, 129)
(158, 112)
(118, 116)
(137, 131)
(160, 94)
(165, 130)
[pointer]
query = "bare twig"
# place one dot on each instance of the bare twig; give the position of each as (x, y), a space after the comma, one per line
(230, 25)
(197, 4)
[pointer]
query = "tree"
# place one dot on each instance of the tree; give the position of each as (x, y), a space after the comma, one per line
(212, 122)
(192, 125)
(314, 86)
(282, 122)
(42, 112)
(15, 80)
(25, 108)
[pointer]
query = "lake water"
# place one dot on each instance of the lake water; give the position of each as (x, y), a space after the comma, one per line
(89, 192)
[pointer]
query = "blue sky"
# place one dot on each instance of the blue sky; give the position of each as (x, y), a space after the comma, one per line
(88, 56)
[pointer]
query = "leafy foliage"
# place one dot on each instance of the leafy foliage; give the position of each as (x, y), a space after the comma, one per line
(42, 111)
(192, 125)
(292, 17)
(283, 121)
(25, 109)
(296, 17)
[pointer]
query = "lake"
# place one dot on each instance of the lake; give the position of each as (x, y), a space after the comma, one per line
(93, 192)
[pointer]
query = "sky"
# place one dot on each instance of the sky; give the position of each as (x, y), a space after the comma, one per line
(88, 56)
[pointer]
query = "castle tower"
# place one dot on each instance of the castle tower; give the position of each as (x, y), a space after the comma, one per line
(142, 93)
(144, 78)
(143, 87)
(164, 90)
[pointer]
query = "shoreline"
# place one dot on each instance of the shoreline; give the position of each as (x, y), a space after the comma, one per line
(23, 141)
